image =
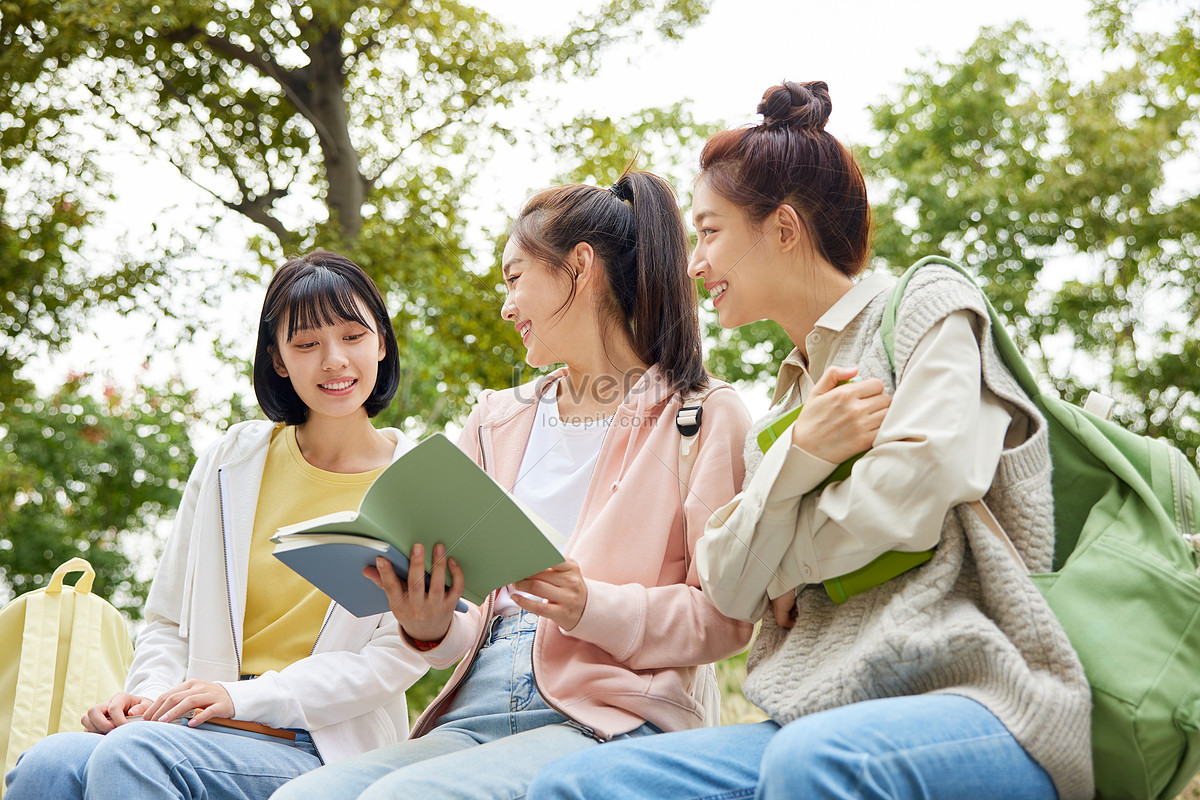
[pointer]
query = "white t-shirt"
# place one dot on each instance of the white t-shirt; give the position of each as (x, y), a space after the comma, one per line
(555, 472)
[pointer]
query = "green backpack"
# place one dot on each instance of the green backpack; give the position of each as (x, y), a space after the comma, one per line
(1125, 585)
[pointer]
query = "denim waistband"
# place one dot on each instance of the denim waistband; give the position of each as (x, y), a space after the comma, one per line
(511, 625)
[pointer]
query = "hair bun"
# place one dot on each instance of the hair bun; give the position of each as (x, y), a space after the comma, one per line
(802, 106)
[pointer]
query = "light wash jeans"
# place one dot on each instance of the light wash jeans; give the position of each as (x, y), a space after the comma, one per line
(157, 760)
(930, 746)
(494, 737)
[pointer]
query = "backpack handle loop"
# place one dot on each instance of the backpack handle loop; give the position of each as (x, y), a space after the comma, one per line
(82, 586)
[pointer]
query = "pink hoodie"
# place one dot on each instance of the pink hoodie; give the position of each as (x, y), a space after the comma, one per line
(647, 626)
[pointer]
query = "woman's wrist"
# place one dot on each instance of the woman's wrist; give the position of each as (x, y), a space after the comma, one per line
(421, 642)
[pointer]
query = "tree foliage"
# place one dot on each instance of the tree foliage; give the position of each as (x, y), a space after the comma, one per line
(48, 198)
(1057, 193)
(72, 475)
(349, 125)
(80, 474)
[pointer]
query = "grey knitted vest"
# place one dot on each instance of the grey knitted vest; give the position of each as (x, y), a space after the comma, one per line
(969, 622)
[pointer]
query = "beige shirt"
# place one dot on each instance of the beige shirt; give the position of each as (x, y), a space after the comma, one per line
(777, 535)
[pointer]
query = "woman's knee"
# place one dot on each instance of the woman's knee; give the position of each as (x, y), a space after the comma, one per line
(927, 746)
(66, 764)
(131, 752)
(804, 753)
(328, 782)
(54, 767)
(563, 779)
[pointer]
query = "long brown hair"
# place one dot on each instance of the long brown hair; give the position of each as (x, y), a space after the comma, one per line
(637, 233)
(791, 159)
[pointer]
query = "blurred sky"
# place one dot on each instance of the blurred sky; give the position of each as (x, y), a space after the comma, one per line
(862, 49)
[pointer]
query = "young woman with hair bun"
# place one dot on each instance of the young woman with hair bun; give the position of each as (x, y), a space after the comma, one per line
(952, 679)
(607, 645)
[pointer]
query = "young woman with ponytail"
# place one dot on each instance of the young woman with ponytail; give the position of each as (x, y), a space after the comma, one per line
(950, 680)
(608, 644)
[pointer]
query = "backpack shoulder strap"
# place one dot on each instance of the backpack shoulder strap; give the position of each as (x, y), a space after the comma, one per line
(1004, 343)
(687, 420)
(705, 688)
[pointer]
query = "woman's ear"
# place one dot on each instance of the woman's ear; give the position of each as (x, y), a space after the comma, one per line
(582, 260)
(277, 362)
(792, 233)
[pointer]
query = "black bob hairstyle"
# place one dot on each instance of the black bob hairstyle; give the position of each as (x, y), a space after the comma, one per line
(315, 289)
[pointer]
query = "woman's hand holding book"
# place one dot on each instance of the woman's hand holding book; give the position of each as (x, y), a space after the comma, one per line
(424, 613)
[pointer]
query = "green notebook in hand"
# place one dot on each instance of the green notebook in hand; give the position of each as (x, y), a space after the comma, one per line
(887, 566)
(433, 493)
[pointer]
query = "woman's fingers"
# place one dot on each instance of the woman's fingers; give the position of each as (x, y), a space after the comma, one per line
(103, 717)
(416, 571)
(423, 610)
(437, 576)
(458, 584)
(783, 608)
(155, 707)
(208, 699)
(831, 378)
(841, 418)
(562, 587)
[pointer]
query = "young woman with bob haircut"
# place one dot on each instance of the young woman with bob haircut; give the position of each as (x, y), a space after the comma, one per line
(952, 679)
(608, 644)
(230, 631)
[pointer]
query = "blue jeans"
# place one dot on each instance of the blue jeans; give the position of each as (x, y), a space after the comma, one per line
(157, 760)
(930, 746)
(492, 739)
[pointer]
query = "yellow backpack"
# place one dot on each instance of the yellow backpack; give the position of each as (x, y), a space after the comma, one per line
(62, 650)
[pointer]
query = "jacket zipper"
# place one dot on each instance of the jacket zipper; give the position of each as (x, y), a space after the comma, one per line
(451, 690)
(311, 653)
(225, 552)
(320, 633)
(533, 674)
(229, 594)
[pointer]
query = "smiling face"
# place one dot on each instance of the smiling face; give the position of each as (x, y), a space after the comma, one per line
(534, 304)
(734, 259)
(332, 367)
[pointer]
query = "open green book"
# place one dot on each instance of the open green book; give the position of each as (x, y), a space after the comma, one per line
(889, 565)
(433, 493)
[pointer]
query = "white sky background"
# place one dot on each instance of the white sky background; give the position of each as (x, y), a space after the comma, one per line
(861, 49)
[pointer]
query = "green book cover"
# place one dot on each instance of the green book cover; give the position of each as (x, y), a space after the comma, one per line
(433, 493)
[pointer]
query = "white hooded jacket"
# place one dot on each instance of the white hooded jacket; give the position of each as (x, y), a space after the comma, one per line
(348, 693)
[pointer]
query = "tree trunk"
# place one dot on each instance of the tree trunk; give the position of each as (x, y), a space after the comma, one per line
(347, 188)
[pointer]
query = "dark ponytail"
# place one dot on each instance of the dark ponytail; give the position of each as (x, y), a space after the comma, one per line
(791, 159)
(637, 232)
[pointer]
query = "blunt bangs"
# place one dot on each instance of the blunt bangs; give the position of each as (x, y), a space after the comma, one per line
(323, 297)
